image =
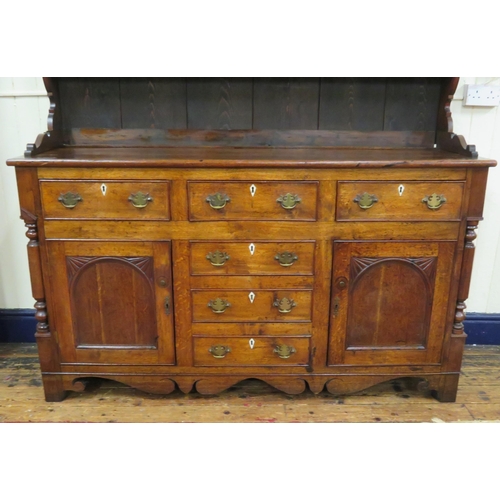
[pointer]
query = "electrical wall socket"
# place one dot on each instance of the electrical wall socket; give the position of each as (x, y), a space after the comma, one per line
(481, 95)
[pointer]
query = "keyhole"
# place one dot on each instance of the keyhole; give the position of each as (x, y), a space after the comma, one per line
(251, 296)
(104, 188)
(251, 247)
(251, 343)
(253, 189)
(401, 188)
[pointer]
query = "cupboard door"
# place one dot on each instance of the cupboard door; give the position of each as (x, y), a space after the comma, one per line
(389, 302)
(114, 302)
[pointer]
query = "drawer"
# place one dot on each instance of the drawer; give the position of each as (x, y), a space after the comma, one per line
(226, 306)
(257, 351)
(252, 258)
(135, 200)
(399, 200)
(210, 201)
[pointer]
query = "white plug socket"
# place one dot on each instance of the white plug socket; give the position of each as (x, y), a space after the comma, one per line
(481, 95)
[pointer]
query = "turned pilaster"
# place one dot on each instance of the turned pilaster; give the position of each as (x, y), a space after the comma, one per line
(465, 277)
(47, 348)
(37, 289)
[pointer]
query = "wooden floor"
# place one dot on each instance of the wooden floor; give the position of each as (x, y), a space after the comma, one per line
(21, 399)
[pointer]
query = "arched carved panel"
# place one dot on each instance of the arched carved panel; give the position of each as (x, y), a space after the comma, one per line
(390, 302)
(112, 301)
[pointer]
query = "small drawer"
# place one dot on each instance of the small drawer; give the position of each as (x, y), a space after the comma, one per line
(227, 306)
(99, 200)
(406, 200)
(257, 351)
(252, 258)
(211, 201)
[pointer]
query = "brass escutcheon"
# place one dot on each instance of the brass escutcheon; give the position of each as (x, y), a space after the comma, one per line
(365, 200)
(166, 305)
(336, 307)
(218, 200)
(289, 201)
(286, 259)
(284, 305)
(70, 200)
(217, 258)
(284, 351)
(218, 305)
(219, 351)
(434, 201)
(140, 200)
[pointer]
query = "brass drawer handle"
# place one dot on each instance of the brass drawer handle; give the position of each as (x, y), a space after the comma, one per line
(284, 351)
(217, 258)
(286, 259)
(434, 201)
(219, 305)
(289, 201)
(70, 200)
(219, 351)
(140, 200)
(218, 200)
(365, 200)
(284, 305)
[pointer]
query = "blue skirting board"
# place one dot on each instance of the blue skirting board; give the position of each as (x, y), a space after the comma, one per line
(18, 325)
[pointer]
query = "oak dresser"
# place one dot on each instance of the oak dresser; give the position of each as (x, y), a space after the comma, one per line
(313, 233)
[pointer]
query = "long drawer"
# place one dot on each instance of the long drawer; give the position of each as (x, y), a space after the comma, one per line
(212, 201)
(406, 200)
(252, 258)
(258, 351)
(226, 306)
(131, 200)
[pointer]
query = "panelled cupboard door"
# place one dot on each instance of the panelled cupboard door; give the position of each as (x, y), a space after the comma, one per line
(114, 302)
(389, 302)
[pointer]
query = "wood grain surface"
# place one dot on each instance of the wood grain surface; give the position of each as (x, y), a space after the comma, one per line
(232, 157)
(21, 399)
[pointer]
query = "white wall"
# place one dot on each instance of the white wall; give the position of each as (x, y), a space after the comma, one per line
(22, 118)
(23, 114)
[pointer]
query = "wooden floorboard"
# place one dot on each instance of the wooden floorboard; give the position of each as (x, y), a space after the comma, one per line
(21, 399)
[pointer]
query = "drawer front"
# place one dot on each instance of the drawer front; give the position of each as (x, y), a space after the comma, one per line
(252, 258)
(209, 201)
(405, 200)
(226, 306)
(245, 351)
(134, 200)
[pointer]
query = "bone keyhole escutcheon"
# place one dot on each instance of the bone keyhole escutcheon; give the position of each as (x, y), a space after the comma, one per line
(251, 343)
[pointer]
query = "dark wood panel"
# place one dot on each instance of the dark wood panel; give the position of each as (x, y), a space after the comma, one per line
(412, 105)
(286, 103)
(389, 301)
(112, 301)
(219, 103)
(90, 102)
(251, 138)
(379, 287)
(352, 104)
(153, 103)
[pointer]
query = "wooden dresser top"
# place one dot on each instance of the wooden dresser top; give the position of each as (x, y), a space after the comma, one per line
(249, 157)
